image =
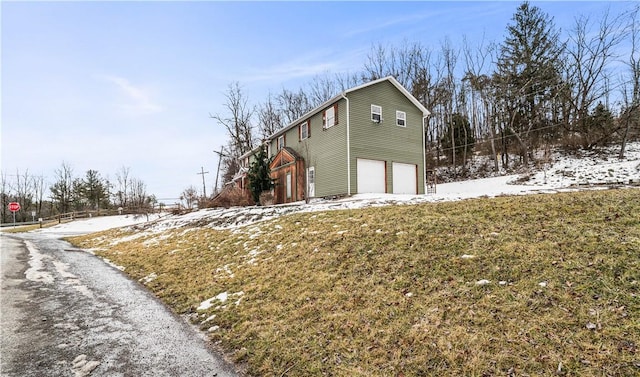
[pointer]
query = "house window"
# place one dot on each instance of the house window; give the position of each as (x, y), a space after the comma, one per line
(329, 118)
(280, 142)
(401, 119)
(304, 130)
(288, 184)
(376, 113)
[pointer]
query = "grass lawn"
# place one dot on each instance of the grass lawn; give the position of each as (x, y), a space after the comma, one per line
(538, 285)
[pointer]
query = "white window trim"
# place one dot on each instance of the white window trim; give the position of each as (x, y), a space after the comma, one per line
(401, 115)
(304, 126)
(376, 110)
(311, 180)
(288, 184)
(280, 145)
(325, 119)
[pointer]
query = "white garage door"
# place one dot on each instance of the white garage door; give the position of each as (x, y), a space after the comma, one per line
(371, 176)
(404, 178)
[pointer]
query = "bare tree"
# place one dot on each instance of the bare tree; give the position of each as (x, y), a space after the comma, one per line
(189, 196)
(23, 188)
(322, 89)
(588, 56)
(230, 167)
(237, 120)
(430, 91)
(62, 189)
(4, 195)
(138, 194)
(294, 104)
(404, 63)
(269, 117)
(124, 182)
(377, 64)
(631, 87)
(449, 88)
(347, 81)
(38, 191)
(477, 77)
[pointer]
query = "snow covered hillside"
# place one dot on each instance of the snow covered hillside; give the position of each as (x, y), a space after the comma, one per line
(601, 169)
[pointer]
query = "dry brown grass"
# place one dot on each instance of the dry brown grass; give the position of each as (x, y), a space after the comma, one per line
(393, 292)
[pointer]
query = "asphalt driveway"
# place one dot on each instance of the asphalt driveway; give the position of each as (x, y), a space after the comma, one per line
(65, 312)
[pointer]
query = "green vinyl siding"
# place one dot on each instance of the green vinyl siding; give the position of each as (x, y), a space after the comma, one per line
(325, 149)
(385, 141)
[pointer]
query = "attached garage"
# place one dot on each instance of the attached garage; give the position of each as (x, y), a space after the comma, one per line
(371, 176)
(405, 178)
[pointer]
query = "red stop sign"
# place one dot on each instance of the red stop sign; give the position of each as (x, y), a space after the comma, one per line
(14, 206)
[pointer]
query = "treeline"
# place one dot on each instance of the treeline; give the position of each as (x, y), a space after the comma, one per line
(511, 99)
(69, 192)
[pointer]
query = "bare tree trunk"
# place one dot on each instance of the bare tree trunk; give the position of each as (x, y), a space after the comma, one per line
(632, 101)
(38, 184)
(492, 134)
(625, 136)
(122, 177)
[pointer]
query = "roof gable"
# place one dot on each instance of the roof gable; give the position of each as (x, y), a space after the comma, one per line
(285, 156)
(325, 104)
(398, 86)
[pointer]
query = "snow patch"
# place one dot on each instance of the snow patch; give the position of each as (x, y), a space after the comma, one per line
(221, 298)
(35, 271)
(71, 279)
(149, 278)
(209, 318)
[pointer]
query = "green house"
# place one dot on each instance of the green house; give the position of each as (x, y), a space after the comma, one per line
(367, 139)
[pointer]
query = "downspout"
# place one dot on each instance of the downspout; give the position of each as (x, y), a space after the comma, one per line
(349, 148)
(424, 156)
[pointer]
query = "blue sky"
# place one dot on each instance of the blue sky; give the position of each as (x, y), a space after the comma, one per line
(102, 85)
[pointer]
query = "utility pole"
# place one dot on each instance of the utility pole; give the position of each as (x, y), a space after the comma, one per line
(220, 155)
(204, 187)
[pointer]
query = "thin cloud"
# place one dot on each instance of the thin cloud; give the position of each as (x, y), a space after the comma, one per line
(136, 99)
(461, 12)
(305, 67)
(290, 71)
(373, 26)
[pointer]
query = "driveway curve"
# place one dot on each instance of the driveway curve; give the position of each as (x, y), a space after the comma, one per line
(65, 312)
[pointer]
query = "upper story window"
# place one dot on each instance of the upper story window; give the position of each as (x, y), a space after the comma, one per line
(376, 113)
(401, 118)
(280, 142)
(303, 130)
(330, 117)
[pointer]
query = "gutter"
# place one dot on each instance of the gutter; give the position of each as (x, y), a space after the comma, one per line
(424, 156)
(349, 147)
